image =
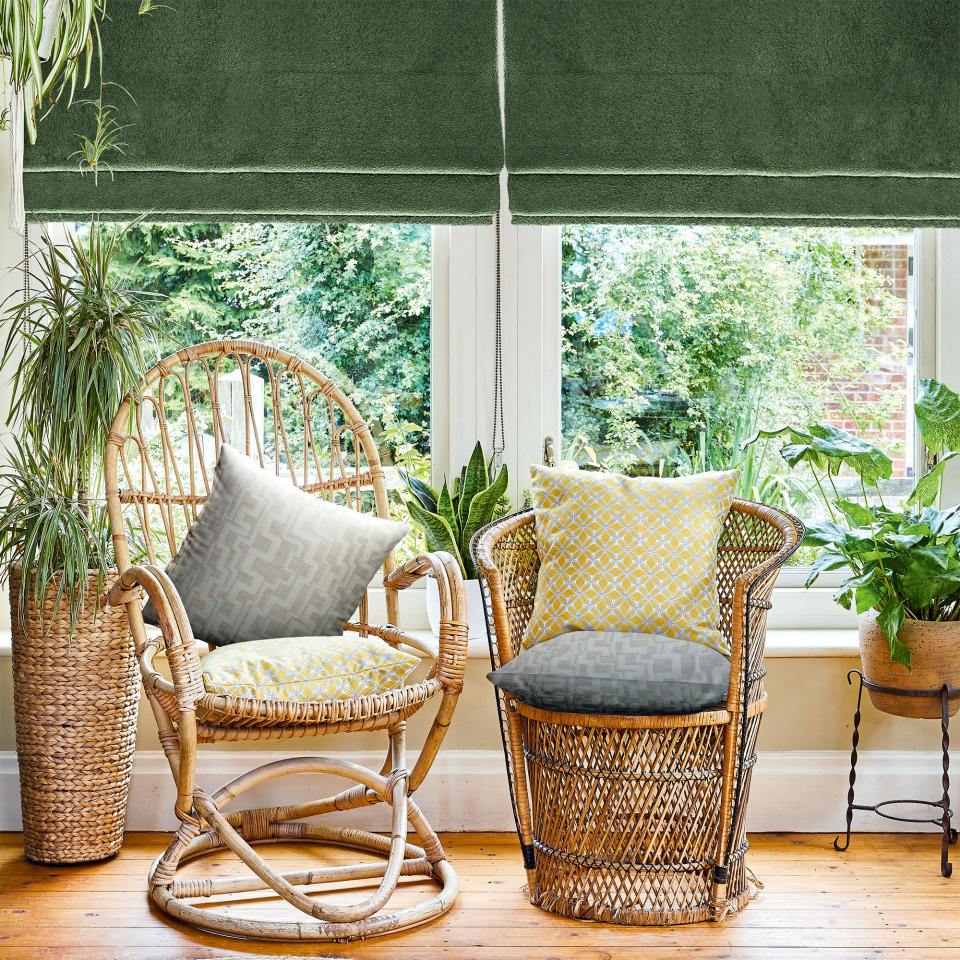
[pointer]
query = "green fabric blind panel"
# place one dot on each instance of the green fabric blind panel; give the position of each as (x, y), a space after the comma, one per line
(808, 111)
(289, 109)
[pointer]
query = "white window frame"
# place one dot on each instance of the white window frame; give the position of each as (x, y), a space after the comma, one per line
(463, 345)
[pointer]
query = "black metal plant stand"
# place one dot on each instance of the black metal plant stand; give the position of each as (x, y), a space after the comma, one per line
(945, 693)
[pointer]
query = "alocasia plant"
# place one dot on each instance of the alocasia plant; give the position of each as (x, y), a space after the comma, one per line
(904, 563)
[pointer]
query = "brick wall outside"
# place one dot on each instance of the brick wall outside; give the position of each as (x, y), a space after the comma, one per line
(888, 370)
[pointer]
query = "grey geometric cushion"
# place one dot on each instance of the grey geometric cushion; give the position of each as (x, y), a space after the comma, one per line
(608, 672)
(265, 559)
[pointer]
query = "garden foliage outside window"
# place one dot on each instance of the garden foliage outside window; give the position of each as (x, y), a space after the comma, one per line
(679, 342)
(353, 300)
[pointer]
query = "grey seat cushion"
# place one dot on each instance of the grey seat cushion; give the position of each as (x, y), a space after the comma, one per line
(265, 559)
(608, 672)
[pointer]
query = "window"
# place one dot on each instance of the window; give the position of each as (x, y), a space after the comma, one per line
(353, 300)
(678, 343)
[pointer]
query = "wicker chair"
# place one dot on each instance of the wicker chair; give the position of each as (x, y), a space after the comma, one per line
(159, 458)
(637, 819)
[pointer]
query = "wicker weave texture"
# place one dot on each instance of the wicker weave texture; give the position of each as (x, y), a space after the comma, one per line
(161, 453)
(623, 820)
(75, 702)
(641, 819)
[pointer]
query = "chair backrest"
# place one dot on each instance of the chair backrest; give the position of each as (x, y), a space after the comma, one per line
(164, 442)
(753, 536)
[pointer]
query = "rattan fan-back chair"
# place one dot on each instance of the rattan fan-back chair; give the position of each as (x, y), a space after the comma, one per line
(637, 819)
(160, 455)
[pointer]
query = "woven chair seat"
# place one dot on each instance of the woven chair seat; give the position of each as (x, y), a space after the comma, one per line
(289, 718)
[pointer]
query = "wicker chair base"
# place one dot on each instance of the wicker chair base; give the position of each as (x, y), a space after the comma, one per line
(582, 910)
(626, 818)
(240, 831)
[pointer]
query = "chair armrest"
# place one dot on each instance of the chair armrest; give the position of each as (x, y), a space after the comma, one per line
(452, 653)
(175, 628)
(753, 587)
(505, 553)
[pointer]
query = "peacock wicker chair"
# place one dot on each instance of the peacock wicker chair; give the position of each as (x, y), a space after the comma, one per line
(160, 455)
(637, 819)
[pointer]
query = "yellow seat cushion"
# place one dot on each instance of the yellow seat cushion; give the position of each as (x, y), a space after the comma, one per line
(630, 554)
(306, 669)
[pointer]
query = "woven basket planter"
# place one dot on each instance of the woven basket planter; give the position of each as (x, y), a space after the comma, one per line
(75, 703)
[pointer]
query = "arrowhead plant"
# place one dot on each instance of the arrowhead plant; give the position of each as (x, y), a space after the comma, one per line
(448, 519)
(904, 563)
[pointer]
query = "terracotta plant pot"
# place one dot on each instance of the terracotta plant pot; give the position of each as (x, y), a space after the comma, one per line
(934, 658)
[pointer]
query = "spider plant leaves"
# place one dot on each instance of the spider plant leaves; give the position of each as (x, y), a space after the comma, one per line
(829, 449)
(75, 47)
(937, 409)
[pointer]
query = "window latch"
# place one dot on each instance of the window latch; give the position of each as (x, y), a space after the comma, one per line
(549, 459)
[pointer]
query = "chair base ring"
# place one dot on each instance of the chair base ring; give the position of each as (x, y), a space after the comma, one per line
(173, 896)
(638, 917)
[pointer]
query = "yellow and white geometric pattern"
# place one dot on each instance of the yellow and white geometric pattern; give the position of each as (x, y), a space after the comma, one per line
(306, 669)
(632, 554)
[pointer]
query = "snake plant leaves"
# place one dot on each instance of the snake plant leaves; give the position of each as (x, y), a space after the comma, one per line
(475, 480)
(482, 510)
(455, 516)
(425, 494)
(446, 509)
(438, 533)
(937, 409)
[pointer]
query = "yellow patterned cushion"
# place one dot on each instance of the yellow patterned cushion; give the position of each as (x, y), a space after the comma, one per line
(306, 669)
(628, 554)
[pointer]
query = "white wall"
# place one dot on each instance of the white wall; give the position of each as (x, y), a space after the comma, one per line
(11, 252)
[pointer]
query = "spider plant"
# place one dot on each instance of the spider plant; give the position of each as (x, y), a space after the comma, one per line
(71, 31)
(77, 343)
(105, 139)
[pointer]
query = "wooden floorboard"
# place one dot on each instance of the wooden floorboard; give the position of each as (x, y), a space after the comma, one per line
(884, 898)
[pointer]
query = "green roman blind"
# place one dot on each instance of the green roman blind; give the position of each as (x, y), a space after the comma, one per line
(288, 109)
(808, 111)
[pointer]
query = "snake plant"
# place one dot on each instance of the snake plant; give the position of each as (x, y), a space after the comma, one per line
(448, 518)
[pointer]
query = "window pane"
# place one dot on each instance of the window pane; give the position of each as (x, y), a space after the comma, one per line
(353, 300)
(679, 342)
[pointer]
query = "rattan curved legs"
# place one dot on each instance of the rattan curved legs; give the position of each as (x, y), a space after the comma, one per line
(238, 831)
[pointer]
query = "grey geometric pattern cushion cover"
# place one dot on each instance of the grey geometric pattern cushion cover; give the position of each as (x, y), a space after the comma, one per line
(622, 673)
(265, 559)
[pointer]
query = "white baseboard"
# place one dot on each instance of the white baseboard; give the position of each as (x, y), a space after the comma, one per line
(801, 791)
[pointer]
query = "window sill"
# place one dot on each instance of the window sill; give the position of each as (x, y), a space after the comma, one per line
(824, 643)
